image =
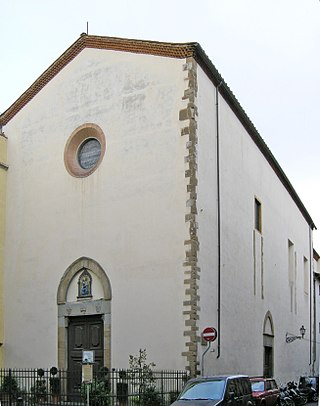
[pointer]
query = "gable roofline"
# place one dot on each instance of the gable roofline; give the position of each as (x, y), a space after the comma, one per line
(165, 49)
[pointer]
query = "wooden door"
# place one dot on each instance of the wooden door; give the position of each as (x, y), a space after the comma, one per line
(268, 362)
(84, 333)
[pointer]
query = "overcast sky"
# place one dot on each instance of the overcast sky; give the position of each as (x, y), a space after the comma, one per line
(268, 51)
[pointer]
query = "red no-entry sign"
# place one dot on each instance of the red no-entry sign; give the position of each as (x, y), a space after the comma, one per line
(209, 334)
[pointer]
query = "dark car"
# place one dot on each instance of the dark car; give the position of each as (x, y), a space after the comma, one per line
(231, 390)
(265, 391)
(312, 381)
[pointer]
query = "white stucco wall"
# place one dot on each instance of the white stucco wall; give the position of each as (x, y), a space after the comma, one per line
(207, 211)
(244, 175)
(128, 215)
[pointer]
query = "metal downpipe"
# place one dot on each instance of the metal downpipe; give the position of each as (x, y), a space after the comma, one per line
(218, 222)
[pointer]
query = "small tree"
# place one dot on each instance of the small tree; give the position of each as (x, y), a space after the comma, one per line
(141, 374)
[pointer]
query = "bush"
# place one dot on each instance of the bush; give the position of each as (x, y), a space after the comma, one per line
(98, 392)
(10, 386)
(39, 391)
(150, 397)
(173, 396)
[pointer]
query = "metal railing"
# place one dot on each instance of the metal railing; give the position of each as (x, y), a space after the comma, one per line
(40, 387)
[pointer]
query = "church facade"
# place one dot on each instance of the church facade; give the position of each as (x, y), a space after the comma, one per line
(143, 206)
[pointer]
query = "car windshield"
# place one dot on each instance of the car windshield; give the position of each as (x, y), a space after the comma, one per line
(212, 390)
(257, 386)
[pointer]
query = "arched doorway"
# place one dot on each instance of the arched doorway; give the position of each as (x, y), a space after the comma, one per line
(268, 342)
(84, 316)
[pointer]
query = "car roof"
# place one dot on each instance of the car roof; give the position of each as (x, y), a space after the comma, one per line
(216, 378)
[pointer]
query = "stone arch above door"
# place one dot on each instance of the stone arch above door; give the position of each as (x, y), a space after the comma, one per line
(74, 269)
(268, 324)
(88, 305)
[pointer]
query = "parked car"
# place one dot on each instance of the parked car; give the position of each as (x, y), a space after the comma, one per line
(265, 391)
(231, 390)
(309, 380)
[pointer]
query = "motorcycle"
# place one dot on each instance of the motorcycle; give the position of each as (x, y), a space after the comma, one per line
(298, 398)
(285, 398)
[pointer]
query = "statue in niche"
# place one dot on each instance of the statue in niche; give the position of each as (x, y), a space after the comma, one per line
(85, 285)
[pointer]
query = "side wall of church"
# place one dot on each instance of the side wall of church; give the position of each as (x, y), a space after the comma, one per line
(262, 272)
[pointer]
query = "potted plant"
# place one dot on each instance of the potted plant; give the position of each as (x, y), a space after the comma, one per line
(122, 388)
(39, 389)
(54, 385)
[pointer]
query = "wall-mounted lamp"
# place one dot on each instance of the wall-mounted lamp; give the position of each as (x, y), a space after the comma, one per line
(290, 337)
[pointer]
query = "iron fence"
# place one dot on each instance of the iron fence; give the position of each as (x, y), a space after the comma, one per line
(40, 387)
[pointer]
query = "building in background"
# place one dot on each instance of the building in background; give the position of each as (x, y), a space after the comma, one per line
(142, 207)
(316, 287)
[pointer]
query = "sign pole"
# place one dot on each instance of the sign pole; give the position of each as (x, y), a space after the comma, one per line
(87, 371)
(209, 334)
(202, 359)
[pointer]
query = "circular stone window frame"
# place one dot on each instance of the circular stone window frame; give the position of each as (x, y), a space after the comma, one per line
(77, 138)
